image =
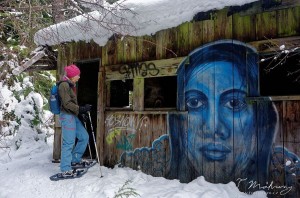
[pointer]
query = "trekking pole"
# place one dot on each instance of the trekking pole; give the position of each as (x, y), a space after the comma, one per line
(88, 142)
(98, 159)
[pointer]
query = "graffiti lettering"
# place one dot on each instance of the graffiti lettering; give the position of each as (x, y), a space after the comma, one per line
(109, 138)
(139, 69)
(125, 143)
(116, 124)
(125, 122)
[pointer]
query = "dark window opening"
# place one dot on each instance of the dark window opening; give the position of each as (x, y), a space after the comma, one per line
(280, 76)
(121, 93)
(160, 92)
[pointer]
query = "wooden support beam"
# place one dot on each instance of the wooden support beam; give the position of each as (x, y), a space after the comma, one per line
(41, 68)
(138, 94)
(155, 68)
(273, 98)
(27, 64)
(273, 45)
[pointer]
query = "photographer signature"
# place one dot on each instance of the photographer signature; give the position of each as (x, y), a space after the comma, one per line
(282, 190)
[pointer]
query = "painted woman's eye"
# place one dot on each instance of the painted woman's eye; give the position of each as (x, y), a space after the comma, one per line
(195, 100)
(194, 103)
(235, 104)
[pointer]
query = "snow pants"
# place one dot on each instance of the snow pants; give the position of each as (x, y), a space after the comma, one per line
(72, 128)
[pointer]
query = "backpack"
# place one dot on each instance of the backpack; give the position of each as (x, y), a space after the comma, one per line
(54, 100)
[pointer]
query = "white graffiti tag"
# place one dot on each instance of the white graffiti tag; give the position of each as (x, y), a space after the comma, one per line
(132, 123)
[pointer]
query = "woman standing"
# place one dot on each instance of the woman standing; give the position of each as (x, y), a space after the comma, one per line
(72, 128)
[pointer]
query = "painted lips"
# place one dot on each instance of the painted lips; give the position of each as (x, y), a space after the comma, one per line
(215, 151)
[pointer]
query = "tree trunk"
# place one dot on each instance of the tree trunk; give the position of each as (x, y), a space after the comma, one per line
(57, 11)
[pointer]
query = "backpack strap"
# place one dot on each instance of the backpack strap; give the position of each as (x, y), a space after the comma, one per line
(58, 84)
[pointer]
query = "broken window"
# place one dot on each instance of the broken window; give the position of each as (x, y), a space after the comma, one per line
(160, 92)
(280, 76)
(121, 93)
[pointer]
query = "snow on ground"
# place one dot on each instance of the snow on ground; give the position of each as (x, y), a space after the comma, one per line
(25, 172)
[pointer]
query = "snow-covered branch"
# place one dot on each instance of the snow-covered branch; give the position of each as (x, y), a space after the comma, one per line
(103, 21)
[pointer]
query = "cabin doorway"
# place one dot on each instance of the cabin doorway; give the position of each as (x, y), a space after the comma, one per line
(87, 94)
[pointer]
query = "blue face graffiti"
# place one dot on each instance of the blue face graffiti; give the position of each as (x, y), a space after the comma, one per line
(216, 132)
(221, 139)
(214, 102)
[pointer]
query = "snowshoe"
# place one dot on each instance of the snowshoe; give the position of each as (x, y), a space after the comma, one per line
(72, 174)
(83, 164)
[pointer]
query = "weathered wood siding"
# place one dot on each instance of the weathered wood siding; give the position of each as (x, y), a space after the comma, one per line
(179, 41)
(289, 125)
(145, 133)
(125, 131)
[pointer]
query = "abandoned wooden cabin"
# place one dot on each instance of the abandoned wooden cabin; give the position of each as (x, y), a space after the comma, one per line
(144, 112)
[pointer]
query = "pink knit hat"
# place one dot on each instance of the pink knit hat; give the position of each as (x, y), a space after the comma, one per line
(71, 71)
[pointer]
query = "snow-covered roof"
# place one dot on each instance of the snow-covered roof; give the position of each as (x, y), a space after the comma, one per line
(142, 17)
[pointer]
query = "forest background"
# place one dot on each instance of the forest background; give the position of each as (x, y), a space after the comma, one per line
(19, 21)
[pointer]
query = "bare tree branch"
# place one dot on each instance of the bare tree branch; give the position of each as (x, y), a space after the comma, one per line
(22, 9)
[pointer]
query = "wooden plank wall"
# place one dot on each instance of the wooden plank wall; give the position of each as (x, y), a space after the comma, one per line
(289, 125)
(179, 41)
(68, 54)
(125, 131)
(250, 25)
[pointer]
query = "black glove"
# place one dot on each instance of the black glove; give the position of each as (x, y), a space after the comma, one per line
(85, 108)
(83, 117)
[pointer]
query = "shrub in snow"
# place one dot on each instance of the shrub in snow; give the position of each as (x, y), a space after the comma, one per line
(21, 107)
(126, 191)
